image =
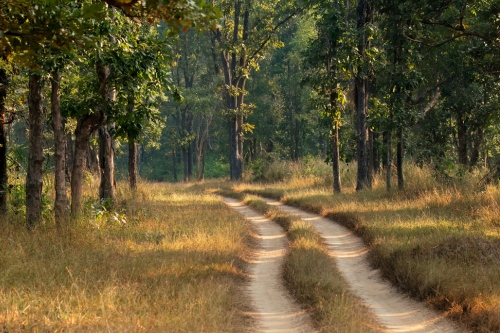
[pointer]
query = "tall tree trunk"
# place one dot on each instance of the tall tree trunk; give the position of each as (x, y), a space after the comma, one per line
(462, 139)
(106, 151)
(361, 99)
(190, 160)
(34, 178)
(400, 158)
(92, 164)
(4, 82)
(132, 163)
(336, 158)
(174, 164)
(107, 165)
(185, 164)
(371, 159)
(475, 149)
(61, 200)
(388, 174)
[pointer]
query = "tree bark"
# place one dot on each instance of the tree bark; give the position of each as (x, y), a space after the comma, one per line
(388, 174)
(400, 158)
(86, 125)
(336, 158)
(361, 99)
(107, 165)
(174, 164)
(61, 199)
(132, 163)
(4, 82)
(185, 164)
(69, 156)
(462, 139)
(34, 178)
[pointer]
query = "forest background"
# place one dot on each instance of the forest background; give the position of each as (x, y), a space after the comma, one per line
(375, 83)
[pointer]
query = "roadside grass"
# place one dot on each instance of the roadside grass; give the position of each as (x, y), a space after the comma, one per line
(169, 259)
(312, 278)
(437, 241)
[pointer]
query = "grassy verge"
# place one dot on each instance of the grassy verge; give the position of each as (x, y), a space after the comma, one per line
(167, 261)
(440, 243)
(312, 278)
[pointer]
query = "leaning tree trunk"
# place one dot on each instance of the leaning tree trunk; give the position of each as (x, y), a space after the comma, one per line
(61, 200)
(132, 163)
(34, 178)
(4, 81)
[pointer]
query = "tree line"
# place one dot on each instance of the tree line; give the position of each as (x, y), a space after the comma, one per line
(373, 81)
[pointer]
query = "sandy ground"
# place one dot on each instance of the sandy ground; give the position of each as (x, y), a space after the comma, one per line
(393, 310)
(275, 310)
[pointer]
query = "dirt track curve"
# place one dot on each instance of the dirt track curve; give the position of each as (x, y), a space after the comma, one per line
(394, 311)
(275, 309)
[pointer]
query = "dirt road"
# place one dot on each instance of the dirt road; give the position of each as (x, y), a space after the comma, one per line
(275, 309)
(393, 310)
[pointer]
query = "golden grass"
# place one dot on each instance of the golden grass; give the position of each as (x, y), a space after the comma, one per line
(168, 261)
(312, 278)
(438, 241)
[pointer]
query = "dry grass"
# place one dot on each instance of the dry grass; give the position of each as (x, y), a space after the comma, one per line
(438, 241)
(167, 261)
(312, 278)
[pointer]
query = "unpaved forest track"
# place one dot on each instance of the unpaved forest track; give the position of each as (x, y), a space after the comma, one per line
(394, 311)
(275, 309)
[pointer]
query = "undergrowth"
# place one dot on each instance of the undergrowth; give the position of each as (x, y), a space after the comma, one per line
(165, 259)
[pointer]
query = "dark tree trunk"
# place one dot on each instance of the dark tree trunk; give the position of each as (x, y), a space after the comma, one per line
(361, 100)
(190, 160)
(132, 163)
(34, 178)
(92, 164)
(174, 164)
(462, 140)
(371, 159)
(336, 158)
(4, 82)
(85, 126)
(69, 156)
(107, 165)
(476, 147)
(388, 171)
(61, 200)
(400, 158)
(185, 164)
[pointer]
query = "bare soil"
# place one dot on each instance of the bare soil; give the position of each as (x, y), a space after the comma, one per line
(274, 308)
(395, 311)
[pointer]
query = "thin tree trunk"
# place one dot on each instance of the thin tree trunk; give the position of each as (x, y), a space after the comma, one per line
(400, 158)
(34, 178)
(185, 164)
(174, 164)
(462, 140)
(336, 158)
(388, 174)
(61, 200)
(132, 163)
(371, 159)
(4, 82)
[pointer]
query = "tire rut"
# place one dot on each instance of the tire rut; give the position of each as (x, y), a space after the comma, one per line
(395, 311)
(275, 310)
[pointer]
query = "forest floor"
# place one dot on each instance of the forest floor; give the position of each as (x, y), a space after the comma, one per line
(276, 311)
